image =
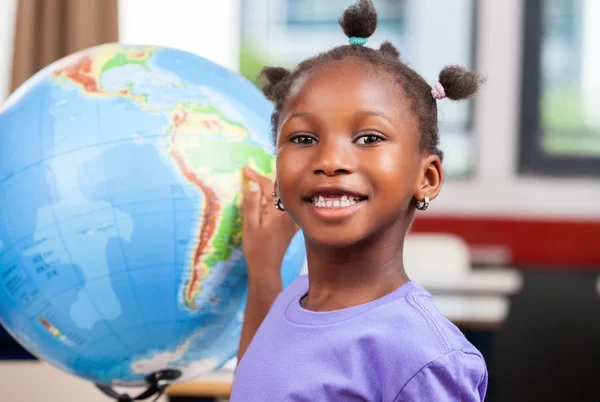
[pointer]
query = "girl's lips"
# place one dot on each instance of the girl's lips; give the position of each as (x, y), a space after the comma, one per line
(333, 191)
(335, 213)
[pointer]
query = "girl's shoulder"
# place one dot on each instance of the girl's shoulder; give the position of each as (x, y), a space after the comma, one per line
(415, 320)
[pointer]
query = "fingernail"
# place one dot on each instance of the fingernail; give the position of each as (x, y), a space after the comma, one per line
(254, 187)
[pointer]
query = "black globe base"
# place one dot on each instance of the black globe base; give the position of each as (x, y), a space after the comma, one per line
(157, 383)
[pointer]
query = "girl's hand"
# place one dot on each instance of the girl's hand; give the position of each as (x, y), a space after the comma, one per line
(267, 232)
(266, 235)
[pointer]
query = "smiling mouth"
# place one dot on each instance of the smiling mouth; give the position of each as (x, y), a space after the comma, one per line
(336, 201)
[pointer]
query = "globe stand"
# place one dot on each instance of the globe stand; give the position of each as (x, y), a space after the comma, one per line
(157, 382)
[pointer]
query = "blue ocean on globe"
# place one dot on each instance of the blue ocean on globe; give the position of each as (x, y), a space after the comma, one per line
(120, 228)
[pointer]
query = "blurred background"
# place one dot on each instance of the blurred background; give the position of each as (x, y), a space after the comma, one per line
(522, 159)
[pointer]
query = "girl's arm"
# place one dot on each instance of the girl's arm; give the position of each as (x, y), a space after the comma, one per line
(260, 299)
(267, 233)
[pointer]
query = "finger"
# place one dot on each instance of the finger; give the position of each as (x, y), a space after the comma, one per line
(253, 177)
(251, 206)
(266, 185)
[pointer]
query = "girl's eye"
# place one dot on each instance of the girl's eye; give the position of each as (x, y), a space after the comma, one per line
(368, 139)
(303, 140)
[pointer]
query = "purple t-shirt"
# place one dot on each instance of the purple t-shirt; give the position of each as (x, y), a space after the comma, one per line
(396, 348)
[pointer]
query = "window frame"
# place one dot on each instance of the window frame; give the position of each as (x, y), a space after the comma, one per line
(469, 123)
(293, 22)
(532, 158)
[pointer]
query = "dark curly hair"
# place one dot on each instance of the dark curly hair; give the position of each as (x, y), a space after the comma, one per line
(360, 21)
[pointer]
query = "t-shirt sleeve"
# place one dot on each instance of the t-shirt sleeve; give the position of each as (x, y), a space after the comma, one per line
(457, 376)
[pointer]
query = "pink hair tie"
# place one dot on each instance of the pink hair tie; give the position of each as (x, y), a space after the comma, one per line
(438, 91)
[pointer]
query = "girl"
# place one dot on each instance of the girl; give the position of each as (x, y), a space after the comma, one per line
(357, 154)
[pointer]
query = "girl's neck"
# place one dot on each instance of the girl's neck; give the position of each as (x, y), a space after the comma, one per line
(358, 274)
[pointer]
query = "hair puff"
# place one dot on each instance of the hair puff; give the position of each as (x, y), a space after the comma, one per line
(460, 83)
(273, 76)
(359, 20)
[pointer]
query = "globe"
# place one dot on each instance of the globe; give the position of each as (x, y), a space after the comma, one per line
(120, 227)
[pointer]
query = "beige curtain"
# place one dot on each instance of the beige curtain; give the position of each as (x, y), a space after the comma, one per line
(48, 30)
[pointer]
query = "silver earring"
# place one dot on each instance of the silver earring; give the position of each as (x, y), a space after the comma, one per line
(422, 205)
(278, 204)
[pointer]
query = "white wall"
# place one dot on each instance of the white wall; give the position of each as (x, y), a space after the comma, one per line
(8, 12)
(209, 28)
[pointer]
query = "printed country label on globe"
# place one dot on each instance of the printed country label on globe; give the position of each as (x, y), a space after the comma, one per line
(120, 228)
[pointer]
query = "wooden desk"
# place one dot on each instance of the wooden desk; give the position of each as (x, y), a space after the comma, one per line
(217, 385)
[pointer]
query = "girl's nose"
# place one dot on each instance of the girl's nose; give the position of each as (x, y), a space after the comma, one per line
(334, 156)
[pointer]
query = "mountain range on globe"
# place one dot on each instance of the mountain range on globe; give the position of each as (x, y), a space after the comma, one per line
(120, 227)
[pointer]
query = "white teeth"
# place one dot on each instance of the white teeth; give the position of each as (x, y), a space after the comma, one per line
(334, 202)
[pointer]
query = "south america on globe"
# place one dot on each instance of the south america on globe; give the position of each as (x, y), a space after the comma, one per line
(120, 226)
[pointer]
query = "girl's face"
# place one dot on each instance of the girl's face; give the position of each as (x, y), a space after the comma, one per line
(348, 158)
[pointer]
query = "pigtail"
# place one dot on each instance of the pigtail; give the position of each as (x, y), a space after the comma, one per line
(359, 20)
(459, 83)
(273, 76)
(390, 50)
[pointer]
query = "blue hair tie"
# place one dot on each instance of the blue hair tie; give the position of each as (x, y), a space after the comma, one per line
(358, 41)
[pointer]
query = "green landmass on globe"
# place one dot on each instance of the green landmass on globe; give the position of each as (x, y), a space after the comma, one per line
(196, 156)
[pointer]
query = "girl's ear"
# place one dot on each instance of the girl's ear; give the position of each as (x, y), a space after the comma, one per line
(430, 178)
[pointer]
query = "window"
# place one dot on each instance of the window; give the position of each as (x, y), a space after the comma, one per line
(561, 88)
(316, 12)
(430, 34)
